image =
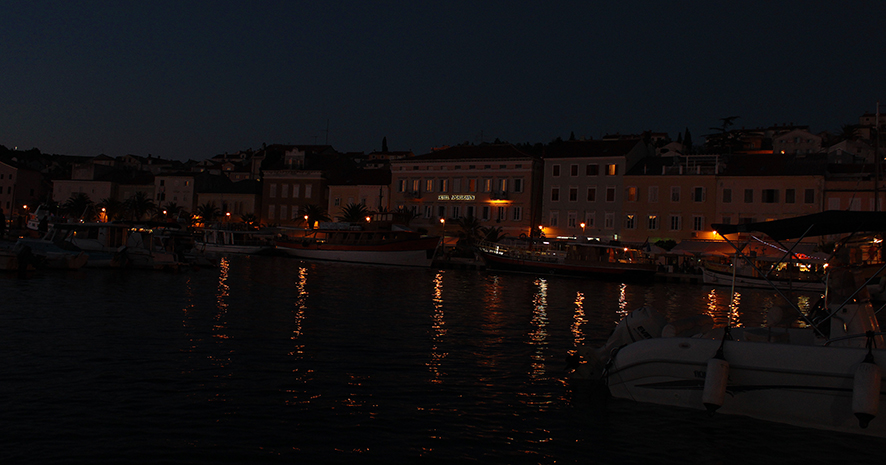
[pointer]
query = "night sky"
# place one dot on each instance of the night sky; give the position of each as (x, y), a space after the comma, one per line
(191, 80)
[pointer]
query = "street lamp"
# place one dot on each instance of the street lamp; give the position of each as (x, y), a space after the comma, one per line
(443, 223)
(582, 229)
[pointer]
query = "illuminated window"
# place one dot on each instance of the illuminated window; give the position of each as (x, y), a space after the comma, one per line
(443, 184)
(429, 185)
(611, 170)
(652, 222)
(472, 185)
(631, 194)
(629, 221)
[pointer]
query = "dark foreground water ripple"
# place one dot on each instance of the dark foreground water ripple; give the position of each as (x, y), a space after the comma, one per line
(273, 360)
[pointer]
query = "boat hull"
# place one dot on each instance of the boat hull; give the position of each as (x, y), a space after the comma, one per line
(803, 385)
(624, 271)
(725, 279)
(418, 252)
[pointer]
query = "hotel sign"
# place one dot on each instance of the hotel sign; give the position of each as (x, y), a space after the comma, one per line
(455, 197)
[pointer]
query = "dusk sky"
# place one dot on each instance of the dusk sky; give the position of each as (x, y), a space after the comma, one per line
(191, 80)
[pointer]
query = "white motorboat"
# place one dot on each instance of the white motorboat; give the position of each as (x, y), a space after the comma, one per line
(824, 374)
(220, 240)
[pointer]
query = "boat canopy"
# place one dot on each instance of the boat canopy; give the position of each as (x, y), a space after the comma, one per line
(817, 224)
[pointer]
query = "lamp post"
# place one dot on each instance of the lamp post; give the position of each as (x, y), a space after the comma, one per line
(582, 229)
(306, 222)
(443, 222)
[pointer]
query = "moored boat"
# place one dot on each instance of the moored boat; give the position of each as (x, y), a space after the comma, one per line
(373, 243)
(818, 369)
(229, 240)
(115, 245)
(570, 258)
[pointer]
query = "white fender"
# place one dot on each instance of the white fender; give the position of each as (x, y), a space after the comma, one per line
(866, 391)
(715, 380)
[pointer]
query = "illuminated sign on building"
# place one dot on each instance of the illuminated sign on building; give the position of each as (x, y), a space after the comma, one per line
(455, 197)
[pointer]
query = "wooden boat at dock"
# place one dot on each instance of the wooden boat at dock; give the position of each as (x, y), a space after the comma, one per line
(569, 258)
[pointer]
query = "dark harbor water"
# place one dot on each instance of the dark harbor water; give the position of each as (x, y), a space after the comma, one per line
(275, 360)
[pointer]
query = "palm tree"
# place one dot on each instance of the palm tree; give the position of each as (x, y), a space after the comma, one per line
(470, 227)
(314, 213)
(169, 210)
(492, 233)
(139, 205)
(207, 212)
(112, 208)
(250, 220)
(407, 215)
(79, 206)
(354, 213)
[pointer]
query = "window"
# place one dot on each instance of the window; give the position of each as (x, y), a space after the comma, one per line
(675, 193)
(698, 194)
(727, 195)
(573, 170)
(554, 218)
(555, 170)
(610, 194)
(472, 185)
(555, 194)
(573, 194)
(308, 191)
(296, 188)
(748, 196)
(443, 185)
(518, 185)
(726, 220)
(283, 212)
(271, 210)
(441, 211)
(517, 213)
(790, 195)
(611, 170)
(485, 213)
(592, 170)
(429, 185)
(697, 223)
(809, 196)
(456, 211)
(652, 222)
(590, 220)
(609, 220)
(502, 185)
(631, 194)
(502, 214)
(653, 194)
(272, 193)
(429, 210)
(769, 196)
(592, 194)
(284, 192)
(401, 185)
(470, 211)
(572, 219)
(629, 221)
(416, 185)
(487, 185)
(675, 222)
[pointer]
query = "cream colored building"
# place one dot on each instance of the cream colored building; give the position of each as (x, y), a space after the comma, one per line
(496, 184)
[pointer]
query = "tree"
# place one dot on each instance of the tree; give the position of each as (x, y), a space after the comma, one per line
(314, 213)
(171, 209)
(492, 233)
(406, 214)
(354, 213)
(112, 208)
(79, 205)
(250, 220)
(207, 212)
(848, 132)
(139, 205)
(470, 227)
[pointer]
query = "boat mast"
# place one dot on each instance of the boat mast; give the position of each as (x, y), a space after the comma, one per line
(877, 159)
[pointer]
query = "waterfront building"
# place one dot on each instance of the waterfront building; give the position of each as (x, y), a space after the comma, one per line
(584, 191)
(755, 188)
(670, 198)
(295, 177)
(234, 199)
(368, 187)
(21, 189)
(496, 184)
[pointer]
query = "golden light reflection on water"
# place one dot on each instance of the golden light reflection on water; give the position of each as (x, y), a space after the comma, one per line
(438, 326)
(223, 291)
(578, 320)
(302, 375)
(720, 309)
(538, 335)
(623, 301)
